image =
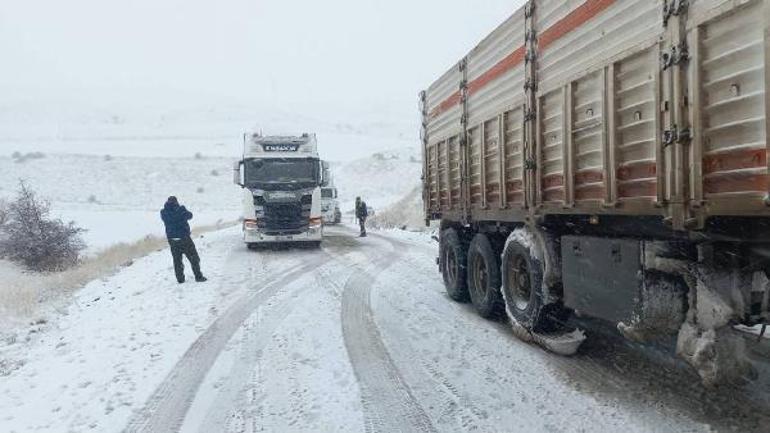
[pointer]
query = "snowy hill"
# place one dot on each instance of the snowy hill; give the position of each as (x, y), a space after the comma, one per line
(381, 179)
(117, 199)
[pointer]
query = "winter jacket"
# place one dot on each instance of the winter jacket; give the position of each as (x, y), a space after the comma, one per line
(361, 211)
(175, 218)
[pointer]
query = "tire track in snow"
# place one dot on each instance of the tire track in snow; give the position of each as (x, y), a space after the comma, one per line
(388, 402)
(233, 409)
(166, 409)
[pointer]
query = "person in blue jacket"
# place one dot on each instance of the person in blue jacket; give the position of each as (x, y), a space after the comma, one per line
(176, 217)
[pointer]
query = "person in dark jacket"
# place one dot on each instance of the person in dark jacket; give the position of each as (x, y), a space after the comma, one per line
(176, 217)
(361, 213)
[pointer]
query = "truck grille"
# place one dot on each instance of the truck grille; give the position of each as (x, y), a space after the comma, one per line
(284, 218)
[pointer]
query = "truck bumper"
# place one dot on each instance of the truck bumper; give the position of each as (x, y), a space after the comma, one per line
(254, 236)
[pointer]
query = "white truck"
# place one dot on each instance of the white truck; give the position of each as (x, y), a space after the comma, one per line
(330, 206)
(281, 177)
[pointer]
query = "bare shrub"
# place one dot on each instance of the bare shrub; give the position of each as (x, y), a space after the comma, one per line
(34, 239)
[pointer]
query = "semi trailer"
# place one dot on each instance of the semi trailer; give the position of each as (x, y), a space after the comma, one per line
(281, 178)
(609, 159)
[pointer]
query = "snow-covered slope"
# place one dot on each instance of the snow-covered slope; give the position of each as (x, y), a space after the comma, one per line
(118, 199)
(381, 179)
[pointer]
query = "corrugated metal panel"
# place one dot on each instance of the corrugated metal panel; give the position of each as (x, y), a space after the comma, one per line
(514, 156)
(551, 145)
(443, 175)
(579, 35)
(603, 103)
(496, 71)
(432, 178)
(635, 119)
(442, 100)
(492, 161)
(474, 165)
(588, 137)
(732, 62)
(454, 174)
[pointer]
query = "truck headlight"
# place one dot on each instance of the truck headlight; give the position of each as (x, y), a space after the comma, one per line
(250, 225)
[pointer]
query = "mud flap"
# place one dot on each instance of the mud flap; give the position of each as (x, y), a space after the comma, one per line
(565, 343)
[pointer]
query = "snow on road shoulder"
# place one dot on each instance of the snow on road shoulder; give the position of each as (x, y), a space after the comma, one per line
(99, 362)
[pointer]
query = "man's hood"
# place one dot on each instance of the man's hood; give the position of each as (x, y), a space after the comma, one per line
(171, 206)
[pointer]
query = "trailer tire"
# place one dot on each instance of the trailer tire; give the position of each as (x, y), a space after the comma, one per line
(453, 262)
(523, 289)
(484, 277)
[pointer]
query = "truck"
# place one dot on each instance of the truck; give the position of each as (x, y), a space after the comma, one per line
(330, 206)
(281, 178)
(608, 159)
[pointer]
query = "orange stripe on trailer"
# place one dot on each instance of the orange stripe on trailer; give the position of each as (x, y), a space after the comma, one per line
(735, 160)
(589, 176)
(589, 192)
(638, 170)
(553, 195)
(446, 105)
(575, 19)
(736, 182)
(509, 62)
(638, 189)
(553, 180)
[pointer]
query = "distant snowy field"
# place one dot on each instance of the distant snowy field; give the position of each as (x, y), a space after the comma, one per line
(118, 200)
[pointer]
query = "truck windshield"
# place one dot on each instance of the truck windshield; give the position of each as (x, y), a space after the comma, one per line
(327, 193)
(280, 170)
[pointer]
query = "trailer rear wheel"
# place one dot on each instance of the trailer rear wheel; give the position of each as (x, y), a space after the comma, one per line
(484, 277)
(523, 289)
(453, 261)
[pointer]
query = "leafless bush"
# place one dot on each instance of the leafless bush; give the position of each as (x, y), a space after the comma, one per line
(33, 239)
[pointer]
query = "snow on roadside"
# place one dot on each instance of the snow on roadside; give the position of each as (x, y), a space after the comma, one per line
(117, 340)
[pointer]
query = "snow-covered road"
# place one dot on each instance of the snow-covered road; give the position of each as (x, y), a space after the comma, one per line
(358, 336)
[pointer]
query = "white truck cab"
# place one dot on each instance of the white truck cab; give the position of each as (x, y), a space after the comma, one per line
(281, 177)
(330, 206)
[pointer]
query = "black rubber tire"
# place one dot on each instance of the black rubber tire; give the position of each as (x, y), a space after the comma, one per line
(453, 262)
(252, 246)
(484, 277)
(523, 290)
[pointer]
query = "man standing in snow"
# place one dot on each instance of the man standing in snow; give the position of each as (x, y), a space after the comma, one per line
(175, 218)
(361, 213)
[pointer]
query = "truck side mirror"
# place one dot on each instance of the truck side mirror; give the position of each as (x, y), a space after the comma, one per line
(237, 174)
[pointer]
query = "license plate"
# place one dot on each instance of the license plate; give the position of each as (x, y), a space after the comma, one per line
(285, 238)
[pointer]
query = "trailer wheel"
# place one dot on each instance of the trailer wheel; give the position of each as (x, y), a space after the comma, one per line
(484, 277)
(453, 260)
(523, 289)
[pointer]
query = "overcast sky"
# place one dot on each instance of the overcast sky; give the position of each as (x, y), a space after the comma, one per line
(339, 56)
